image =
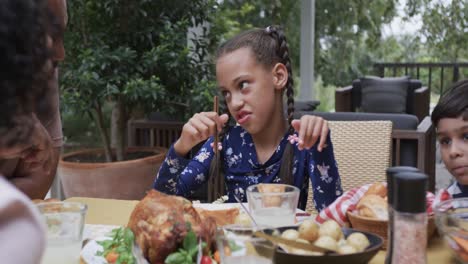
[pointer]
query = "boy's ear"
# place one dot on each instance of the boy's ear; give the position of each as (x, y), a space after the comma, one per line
(280, 76)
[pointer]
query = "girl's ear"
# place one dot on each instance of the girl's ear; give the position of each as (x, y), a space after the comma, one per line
(280, 76)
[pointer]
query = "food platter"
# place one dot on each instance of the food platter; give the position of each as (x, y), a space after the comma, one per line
(89, 252)
(92, 234)
(334, 258)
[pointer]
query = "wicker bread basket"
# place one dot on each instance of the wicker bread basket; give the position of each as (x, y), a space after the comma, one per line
(379, 227)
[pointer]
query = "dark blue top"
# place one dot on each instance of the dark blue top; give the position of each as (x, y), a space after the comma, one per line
(182, 176)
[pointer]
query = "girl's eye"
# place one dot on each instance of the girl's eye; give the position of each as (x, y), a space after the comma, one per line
(444, 141)
(243, 84)
(465, 136)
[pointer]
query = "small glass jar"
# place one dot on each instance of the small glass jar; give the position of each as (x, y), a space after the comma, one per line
(390, 182)
(409, 239)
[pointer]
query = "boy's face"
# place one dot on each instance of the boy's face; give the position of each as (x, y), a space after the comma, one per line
(452, 134)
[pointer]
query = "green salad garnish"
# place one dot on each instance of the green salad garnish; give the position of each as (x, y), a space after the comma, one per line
(119, 249)
(188, 252)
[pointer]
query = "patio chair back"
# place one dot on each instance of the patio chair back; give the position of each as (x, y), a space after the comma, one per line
(362, 152)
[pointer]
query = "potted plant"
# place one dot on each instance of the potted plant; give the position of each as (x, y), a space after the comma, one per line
(134, 56)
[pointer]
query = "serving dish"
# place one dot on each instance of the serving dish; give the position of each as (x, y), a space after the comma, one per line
(281, 257)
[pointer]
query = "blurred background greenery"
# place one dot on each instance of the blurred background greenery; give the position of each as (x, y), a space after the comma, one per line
(142, 56)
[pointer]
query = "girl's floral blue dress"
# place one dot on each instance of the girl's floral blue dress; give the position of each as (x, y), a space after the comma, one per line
(181, 176)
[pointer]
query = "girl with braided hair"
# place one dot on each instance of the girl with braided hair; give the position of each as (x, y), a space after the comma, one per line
(253, 71)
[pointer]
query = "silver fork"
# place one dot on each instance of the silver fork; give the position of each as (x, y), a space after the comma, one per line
(200, 252)
(246, 211)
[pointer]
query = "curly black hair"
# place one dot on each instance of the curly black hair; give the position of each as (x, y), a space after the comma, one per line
(24, 63)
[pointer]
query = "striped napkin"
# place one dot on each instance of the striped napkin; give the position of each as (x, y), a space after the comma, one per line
(348, 201)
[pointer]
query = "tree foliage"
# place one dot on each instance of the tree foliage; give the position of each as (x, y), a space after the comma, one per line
(445, 28)
(135, 54)
(342, 30)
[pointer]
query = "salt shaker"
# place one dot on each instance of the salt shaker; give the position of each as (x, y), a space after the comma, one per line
(409, 218)
(390, 181)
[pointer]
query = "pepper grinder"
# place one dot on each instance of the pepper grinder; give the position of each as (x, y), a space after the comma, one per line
(390, 181)
(410, 218)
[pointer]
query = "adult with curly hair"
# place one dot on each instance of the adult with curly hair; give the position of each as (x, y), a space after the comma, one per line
(25, 69)
(32, 169)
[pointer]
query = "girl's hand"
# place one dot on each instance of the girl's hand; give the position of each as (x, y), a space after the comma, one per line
(310, 129)
(200, 127)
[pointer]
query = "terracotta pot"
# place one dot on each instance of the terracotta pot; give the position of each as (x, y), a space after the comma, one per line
(129, 180)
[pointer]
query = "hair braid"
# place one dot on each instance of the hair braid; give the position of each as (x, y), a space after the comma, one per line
(283, 54)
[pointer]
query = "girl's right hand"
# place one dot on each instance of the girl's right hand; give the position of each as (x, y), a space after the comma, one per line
(200, 127)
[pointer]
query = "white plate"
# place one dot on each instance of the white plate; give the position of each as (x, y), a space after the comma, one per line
(214, 207)
(223, 206)
(99, 233)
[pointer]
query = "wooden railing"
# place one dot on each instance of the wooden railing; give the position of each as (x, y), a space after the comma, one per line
(153, 133)
(436, 76)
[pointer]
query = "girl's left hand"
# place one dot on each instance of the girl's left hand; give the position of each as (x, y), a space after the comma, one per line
(310, 129)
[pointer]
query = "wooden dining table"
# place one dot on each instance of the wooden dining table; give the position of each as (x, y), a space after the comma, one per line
(117, 212)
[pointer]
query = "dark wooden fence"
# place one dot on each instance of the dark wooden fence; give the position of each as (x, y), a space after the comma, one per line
(153, 133)
(436, 76)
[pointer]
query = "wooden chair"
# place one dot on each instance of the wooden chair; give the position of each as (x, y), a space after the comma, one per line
(145, 132)
(413, 141)
(362, 151)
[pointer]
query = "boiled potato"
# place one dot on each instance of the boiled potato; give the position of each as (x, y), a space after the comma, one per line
(332, 229)
(341, 242)
(243, 219)
(358, 240)
(290, 234)
(308, 230)
(299, 251)
(346, 249)
(326, 242)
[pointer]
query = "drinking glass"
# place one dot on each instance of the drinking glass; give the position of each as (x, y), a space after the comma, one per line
(273, 205)
(65, 223)
(236, 244)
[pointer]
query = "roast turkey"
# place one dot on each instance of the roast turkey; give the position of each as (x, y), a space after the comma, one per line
(159, 223)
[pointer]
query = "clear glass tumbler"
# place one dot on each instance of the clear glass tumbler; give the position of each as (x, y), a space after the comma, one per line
(65, 223)
(236, 244)
(273, 205)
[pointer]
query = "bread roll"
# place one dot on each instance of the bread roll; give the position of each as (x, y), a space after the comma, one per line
(271, 200)
(270, 188)
(377, 188)
(221, 217)
(373, 206)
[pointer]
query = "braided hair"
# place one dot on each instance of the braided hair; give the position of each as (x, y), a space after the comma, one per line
(269, 47)
(23, 67)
